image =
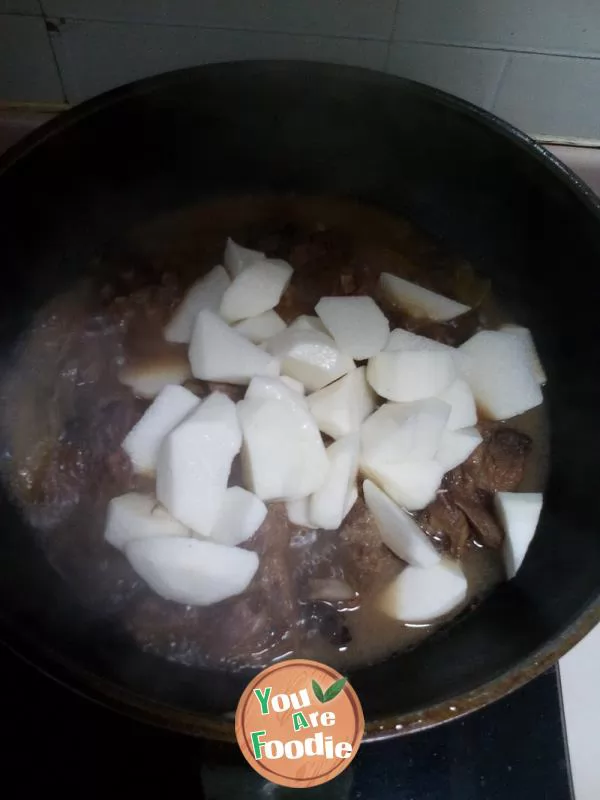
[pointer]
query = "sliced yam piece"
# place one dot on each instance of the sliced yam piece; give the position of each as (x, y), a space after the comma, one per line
(297, 511)
(327, 506)
(404, 431)
(258, 288)
(192, 572)
(456, 446)
(399, 530)
(424, 595)
(147, 378)
(357, 324)
(237, 258)
(500, 374)
(219, 353)
(351, 499)
(412, 484)
(293, 384)
(460, 398)
(241, 515)
(283, 456)
(401, 339)
(306, 322)
(207, 293)
(524, 334)
(341, 407)
(195, 461)
(519, 513)
(143, 441)
(262, 327)
(418, 301)
(407, 375)
(263, 388)
(310, 357)
(138, 516)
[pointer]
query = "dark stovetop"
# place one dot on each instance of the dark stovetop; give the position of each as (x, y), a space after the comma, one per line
(54, 739)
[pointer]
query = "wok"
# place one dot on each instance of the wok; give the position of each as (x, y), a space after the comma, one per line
(472, 181)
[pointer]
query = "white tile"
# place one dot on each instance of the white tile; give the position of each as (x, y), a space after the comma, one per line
(551, 95)
(579, 671)
(94, 57)
(368, 18)
(20, 7)
(470, 74)
(568, 26)
(27, 69)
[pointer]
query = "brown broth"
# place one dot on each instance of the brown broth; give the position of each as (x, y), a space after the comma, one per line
(66, 414)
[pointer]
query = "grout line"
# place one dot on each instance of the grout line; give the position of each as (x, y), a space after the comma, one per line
(53, 51)
(503, 70)
(563, 722)
(505, 48)
(205, 27)
(388, 50)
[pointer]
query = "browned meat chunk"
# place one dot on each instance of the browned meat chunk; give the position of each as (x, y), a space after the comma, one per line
(497, 465)
(476, 509)
(444, 520)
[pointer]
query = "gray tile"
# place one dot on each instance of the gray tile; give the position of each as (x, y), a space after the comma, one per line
(470, 74)
(94, 57)
(550, 25)
(368, 18)
(20, 7)
(27, 69)
(552, 95)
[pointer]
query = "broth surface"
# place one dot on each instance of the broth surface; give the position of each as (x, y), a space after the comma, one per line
(66, 414)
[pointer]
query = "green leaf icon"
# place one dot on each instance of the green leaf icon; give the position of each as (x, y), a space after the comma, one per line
(334, 689)
(318, 691)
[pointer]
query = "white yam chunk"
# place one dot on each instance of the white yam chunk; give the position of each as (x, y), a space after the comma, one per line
(310, 357)
(328, 504)
(143, 441)
(283, 456)
(404, 431)
(219, 353)
(306, 322)
(460, 398)
(192, 572)
(357, 324)
(147, 378)
(519, 513)
(456, 446)
(424, 595)
(241, 515)
(138, 516)
(292, 383)
(263, 388)
(412, 485)
(341, 407)
(351, 499)
(418, 301)
(237, 258)
(297, 511)
(399, 530)
(401, 339)
(525, 335)
(257, 289)
(259, 329)
(195, 461)
(206, 293)
(500, 374)
(404, 376)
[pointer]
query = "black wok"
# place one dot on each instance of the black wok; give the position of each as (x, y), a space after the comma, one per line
(483, 188)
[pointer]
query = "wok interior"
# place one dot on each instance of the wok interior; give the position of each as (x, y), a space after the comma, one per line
(345, 133)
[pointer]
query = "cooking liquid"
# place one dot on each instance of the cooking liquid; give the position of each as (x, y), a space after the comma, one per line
(66, 414)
